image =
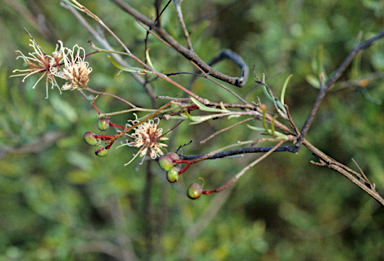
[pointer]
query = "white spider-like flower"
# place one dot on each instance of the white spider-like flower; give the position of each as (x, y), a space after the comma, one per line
(39, 62)
(146, 137)
(76, 69)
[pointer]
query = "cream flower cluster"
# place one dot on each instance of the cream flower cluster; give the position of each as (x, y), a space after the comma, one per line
(64, 63)
(146, 137)
(76, 69)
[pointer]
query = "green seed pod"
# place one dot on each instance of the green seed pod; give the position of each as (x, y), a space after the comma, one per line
(173, 175)
(103, 123)
(194, 191)
(90, 138)
(165, 162)
(101, 151)
(173, 156)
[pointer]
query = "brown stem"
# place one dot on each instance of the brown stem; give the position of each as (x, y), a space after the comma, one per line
(331, 81)
(182, 24)
(332, 164)
(189, 54)
(112, 95)
(107, 46)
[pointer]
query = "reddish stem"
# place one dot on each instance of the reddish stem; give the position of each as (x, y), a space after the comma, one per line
(109, 146)
(207, 192)
(184, 169)
(116, 125)
(226, 185)
(94, 106)
(189, 162)
(234, 179)
(103, 137)
(192, 161)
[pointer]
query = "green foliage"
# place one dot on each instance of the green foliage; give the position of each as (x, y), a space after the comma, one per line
(59, 201)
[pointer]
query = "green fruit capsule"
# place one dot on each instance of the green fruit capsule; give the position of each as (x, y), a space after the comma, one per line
(194, 191)
(165, 162)
(103, 123)
(173, 175)
(101, 151)
(90, 138)
(173, 156)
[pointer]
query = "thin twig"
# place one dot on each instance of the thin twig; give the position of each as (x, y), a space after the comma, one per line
(182, 24)
(331, 81)
(362, 172)
(228, 54)
(225, 129)
(171, 129)
(107, 46)
(190, 55)
(241, 173)
(112, 95)
(127, 111)
(332, 164)
(221, 85)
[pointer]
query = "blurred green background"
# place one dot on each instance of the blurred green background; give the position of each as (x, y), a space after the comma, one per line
(58, 201)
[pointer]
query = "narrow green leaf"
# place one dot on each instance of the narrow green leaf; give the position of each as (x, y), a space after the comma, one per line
(256, 128)
(266, 91)
(277, 134)
(280, 108)
(73, 5)
(284, 88)
(149, 59)
(202, 107)
(355, 72)
(312, 80)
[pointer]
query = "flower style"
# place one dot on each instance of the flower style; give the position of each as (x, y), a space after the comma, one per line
(39, 62)
(76, 69)
(146, 137)
(57, 58)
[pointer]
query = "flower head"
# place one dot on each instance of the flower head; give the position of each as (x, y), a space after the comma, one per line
(39, 62)
(76, 69)
(146, 137)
